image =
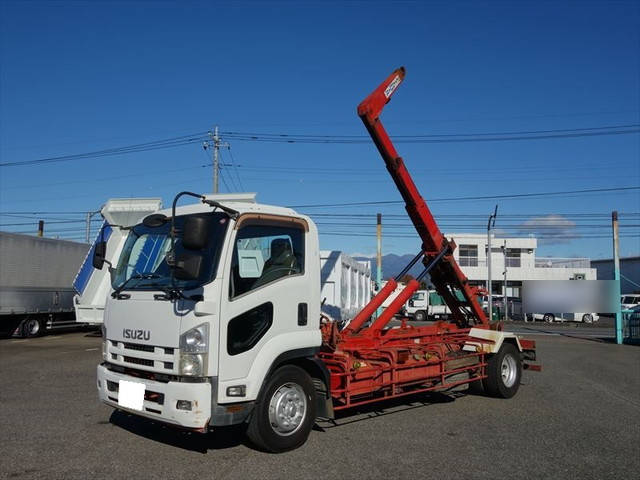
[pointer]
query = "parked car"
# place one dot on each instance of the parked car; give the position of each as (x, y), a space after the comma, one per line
(627, 302)
(564, 317)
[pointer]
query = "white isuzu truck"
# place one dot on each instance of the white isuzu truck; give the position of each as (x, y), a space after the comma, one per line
(195, 347)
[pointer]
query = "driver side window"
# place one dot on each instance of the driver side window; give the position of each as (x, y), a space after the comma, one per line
(263, 254)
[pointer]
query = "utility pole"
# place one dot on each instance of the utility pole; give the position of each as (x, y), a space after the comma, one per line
(216, 161)
(616, 275)
(490, 225)
(506, 305)
(41, 228)
(379, 254)
(216, 143)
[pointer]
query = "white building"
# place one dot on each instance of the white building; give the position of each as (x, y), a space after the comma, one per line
(520, 259)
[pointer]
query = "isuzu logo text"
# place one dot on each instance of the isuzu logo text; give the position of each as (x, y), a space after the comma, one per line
(136, 334)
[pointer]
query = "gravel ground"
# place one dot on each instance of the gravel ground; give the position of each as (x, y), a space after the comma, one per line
(578, 418)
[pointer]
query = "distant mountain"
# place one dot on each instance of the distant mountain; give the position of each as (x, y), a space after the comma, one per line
(393, 264)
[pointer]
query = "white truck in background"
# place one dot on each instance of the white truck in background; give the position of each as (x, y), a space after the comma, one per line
(426, 305)
(93, 286)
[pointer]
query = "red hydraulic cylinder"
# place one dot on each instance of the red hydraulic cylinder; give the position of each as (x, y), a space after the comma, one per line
(371, 307)
(394, 307)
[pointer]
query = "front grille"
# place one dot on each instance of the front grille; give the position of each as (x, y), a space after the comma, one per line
(139, 361)
(155, 358)
(141, 348)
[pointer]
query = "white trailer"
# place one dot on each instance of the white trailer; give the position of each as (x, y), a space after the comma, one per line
(36, 276)
(346, 284)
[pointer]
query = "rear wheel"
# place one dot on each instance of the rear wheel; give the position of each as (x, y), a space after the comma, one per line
(285, 411)
(549, 318)
(587, 318)
(33, 327)
(420, 316)
(504, 372)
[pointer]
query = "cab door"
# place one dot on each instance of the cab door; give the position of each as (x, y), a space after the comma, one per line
(269, 293)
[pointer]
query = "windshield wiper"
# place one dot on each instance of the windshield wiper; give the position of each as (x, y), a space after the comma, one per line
(169, 293)
(136, 276)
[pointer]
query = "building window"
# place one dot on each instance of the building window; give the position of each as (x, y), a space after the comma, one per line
(513, 257)
(468, 255)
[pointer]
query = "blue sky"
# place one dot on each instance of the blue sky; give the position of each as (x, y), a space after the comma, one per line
(85, 76)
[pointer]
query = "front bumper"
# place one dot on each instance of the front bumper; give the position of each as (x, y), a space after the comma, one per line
(161, 399)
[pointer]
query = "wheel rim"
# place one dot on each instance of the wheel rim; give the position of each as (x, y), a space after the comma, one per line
(509, 371)
(33, 326)
(287, 409)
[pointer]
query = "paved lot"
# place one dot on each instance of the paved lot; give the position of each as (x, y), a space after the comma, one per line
(579, 418)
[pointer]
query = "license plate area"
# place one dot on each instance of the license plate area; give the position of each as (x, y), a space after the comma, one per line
(131, 394)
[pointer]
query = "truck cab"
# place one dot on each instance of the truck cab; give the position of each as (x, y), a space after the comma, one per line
(418, 306)
(197, 320)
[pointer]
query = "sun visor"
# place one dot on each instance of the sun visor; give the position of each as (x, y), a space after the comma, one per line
(249, 197)
(127, 212)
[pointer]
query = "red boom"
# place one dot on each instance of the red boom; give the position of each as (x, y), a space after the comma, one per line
(371, 363)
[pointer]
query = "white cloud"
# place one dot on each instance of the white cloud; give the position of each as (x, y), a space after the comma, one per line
(549, 229)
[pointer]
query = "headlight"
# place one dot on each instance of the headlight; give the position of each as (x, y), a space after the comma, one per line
(192, 365)
(195, 340)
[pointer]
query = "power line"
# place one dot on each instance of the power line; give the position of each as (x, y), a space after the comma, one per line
(140, 147)
(576, 236)
(438, 138)
(198, 137)
(231, 178)
(485, 197)
(235, 167)
(439, 135)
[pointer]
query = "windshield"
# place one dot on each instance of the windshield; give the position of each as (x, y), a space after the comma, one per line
(143, 262)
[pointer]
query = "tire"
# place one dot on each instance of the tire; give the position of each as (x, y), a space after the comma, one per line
(289, 391)
(33, 327)
(504, 372)
(587, 318)
(420, 316)
(549, 318)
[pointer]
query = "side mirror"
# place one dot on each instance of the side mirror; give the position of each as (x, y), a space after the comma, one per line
(99, 255)
(155, 220)
(195, 233)
(188, 266)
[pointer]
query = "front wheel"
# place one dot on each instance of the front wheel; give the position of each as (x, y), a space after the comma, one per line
(420, 316)
(549, 318)
(587, 318)
(285, 411)
(504, 372)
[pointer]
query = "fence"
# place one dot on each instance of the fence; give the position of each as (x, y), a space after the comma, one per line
(631, 327)
(555, 262)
